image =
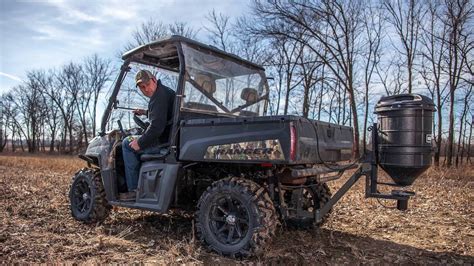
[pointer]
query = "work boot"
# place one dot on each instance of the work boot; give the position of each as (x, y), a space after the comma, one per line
(128, 196)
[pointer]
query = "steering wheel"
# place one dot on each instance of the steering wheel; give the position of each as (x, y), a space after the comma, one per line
(140, 123)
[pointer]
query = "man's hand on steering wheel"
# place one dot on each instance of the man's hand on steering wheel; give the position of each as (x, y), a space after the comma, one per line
(140, 123)
(139, 112)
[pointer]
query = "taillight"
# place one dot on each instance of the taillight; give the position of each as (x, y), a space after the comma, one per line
(292, 142)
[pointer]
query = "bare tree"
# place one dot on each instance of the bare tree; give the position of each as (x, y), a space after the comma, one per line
(462, 122)
(390, 75)
(406, 17)
(291, 54)
(148, 31)
(183, 29)
(8, 115)
(457, 14)
(220, 31)
(53, 121)
(52, 116)
(97, 73)
(64, 94)
(3, 124)
(373, 27)
(343, 21)
(277, 65)
(307, 70)
(325, 86)
(152, 30)
(30, 102)
(434, 50)
(25, 112)
(471, 125)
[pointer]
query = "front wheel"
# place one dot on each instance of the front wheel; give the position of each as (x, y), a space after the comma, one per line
(235, 217)
(87, 197)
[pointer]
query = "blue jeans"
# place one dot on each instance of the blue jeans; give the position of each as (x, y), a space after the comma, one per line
(131, 159)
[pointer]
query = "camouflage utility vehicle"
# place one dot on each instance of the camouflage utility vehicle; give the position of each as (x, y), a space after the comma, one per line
(243, 173)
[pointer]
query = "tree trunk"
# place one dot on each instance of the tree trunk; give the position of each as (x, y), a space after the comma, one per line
(461, 129)
(463, 148)
(320, 104)
(344, 107)
(366, 115)
(440, 125)
(21, 144)
(355, 152)
(468, 160)
(449, 150)
(71, 142)
(94, 114)
(51, 144)
(410, 75)
(287, 95)
(459, 140)
(306, 103)
(13, 141)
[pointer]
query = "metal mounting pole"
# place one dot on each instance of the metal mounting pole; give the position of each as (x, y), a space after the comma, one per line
(371, 190)
(320, 213)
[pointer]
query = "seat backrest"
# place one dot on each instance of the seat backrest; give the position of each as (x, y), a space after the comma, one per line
(206, 82)
(249, 95)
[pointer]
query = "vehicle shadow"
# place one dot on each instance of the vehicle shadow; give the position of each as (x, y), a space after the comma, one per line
(336, 247)
(319, 245)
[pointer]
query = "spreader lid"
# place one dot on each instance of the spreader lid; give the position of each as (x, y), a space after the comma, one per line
(405, 101)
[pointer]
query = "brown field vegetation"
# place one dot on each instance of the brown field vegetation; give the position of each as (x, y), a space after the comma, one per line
(37, 225)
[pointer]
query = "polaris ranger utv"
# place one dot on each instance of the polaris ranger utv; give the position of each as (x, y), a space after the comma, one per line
(242, 172)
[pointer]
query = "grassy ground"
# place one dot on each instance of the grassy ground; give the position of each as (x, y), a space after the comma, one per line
(37, 226)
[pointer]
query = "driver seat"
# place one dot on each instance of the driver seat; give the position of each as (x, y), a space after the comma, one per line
(164, 150)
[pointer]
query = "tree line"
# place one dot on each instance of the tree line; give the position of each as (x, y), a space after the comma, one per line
(329, 59)
(54, 110)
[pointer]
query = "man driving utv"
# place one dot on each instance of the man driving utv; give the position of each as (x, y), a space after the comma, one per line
(160, 112)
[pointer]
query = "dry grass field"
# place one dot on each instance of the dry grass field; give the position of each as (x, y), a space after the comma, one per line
(36, 225)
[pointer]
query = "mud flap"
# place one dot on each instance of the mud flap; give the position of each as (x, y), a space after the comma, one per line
(110, 184)
(156, 185)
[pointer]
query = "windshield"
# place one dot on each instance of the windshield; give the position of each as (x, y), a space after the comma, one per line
(130, 97)
(220, 85)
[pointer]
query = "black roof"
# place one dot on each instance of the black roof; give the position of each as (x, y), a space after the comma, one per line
(174, 39)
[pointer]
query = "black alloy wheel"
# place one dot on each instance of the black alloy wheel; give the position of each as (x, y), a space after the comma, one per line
(87, 197)
(81, 194)
(229, 220)
(235, 217)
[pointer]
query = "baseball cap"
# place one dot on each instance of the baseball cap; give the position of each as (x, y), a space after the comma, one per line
(143, 76)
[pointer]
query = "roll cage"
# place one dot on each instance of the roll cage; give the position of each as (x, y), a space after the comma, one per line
(210, 80)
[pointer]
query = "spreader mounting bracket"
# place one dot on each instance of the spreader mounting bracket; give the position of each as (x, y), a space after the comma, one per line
(368, 168)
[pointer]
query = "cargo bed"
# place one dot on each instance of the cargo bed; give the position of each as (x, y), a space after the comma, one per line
(264, 139)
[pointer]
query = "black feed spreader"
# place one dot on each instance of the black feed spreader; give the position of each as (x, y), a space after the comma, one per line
(401, 146)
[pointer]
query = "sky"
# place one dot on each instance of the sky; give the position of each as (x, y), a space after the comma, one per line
(40, 34)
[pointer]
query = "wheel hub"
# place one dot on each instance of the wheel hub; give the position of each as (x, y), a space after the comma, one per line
(85, 196)
(230, 219)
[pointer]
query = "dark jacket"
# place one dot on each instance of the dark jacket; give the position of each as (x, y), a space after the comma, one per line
(160, 115)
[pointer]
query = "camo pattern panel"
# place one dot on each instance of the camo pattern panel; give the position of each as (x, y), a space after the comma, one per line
(252, 150)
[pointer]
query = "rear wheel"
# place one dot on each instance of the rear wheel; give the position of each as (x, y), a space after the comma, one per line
(235, 217)
(311, 198)
(87, 197)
